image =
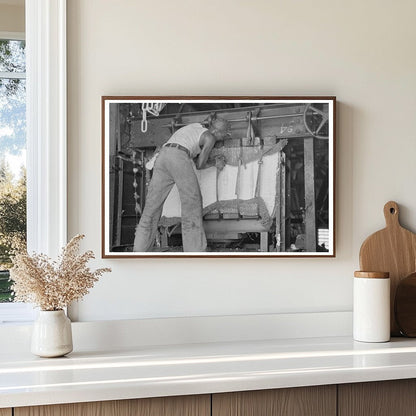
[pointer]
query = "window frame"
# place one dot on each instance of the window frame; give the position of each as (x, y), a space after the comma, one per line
(14, 312)
(46, 122)
(46, 125)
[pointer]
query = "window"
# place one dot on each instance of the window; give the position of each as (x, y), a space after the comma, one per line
(12, 155)
(12, 165)
(46, 134)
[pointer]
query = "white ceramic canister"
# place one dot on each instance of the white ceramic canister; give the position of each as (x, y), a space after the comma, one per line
(371, 310)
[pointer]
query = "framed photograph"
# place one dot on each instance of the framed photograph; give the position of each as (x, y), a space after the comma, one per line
(218, 176)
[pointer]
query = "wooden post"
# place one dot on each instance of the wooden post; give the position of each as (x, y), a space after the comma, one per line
(120, 177)
(119, 216)
(278, 204)
(283, 201)
(164, 242)
(288, 201)
(111, 190)
(264, 241)
(142, 171)
(114, 139)
(310, 211)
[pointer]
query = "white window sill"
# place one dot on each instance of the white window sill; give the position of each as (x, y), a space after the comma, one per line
(16, 313)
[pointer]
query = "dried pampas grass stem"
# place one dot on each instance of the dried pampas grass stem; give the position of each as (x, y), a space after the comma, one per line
(53, 285)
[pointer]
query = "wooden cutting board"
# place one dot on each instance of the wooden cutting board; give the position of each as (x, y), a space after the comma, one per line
(393, 250)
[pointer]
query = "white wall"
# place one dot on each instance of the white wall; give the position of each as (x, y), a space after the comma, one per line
(361, 51)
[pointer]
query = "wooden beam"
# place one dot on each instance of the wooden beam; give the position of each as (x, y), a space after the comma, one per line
(283, 202)
(278, 204)
(264, 241)
(288, 204)
(234, 226)
(114, 140)
(164, 243)
(120, 174)
(229, 227)
(310, 210)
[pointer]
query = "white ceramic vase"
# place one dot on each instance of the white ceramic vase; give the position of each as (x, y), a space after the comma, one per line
(52, 334)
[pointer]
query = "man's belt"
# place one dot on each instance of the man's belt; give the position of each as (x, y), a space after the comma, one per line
(178, 146)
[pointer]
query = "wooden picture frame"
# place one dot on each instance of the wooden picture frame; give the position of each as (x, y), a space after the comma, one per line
(267, 187)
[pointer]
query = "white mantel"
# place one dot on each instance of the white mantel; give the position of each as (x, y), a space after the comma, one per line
(197, 368)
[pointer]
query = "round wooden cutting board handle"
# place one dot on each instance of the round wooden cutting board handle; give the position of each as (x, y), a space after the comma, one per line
(391, 214)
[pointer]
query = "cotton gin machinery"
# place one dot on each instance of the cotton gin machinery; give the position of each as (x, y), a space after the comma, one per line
(272, 195)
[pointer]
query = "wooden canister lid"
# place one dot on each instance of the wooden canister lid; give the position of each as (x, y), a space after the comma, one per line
(372, 275)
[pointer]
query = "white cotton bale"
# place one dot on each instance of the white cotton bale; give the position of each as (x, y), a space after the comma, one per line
(227, 181)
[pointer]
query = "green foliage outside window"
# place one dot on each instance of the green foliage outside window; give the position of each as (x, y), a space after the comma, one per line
(12, 224)
(12, 145)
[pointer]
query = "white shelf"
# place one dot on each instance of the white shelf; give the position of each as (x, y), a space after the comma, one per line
(150, 371)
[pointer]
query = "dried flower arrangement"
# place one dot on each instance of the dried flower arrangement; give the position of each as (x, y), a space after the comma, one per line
(53, 285)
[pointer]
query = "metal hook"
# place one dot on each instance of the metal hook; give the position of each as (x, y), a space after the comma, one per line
(144, 124)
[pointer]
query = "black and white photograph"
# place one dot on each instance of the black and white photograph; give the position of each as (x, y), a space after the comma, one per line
(218, 176)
